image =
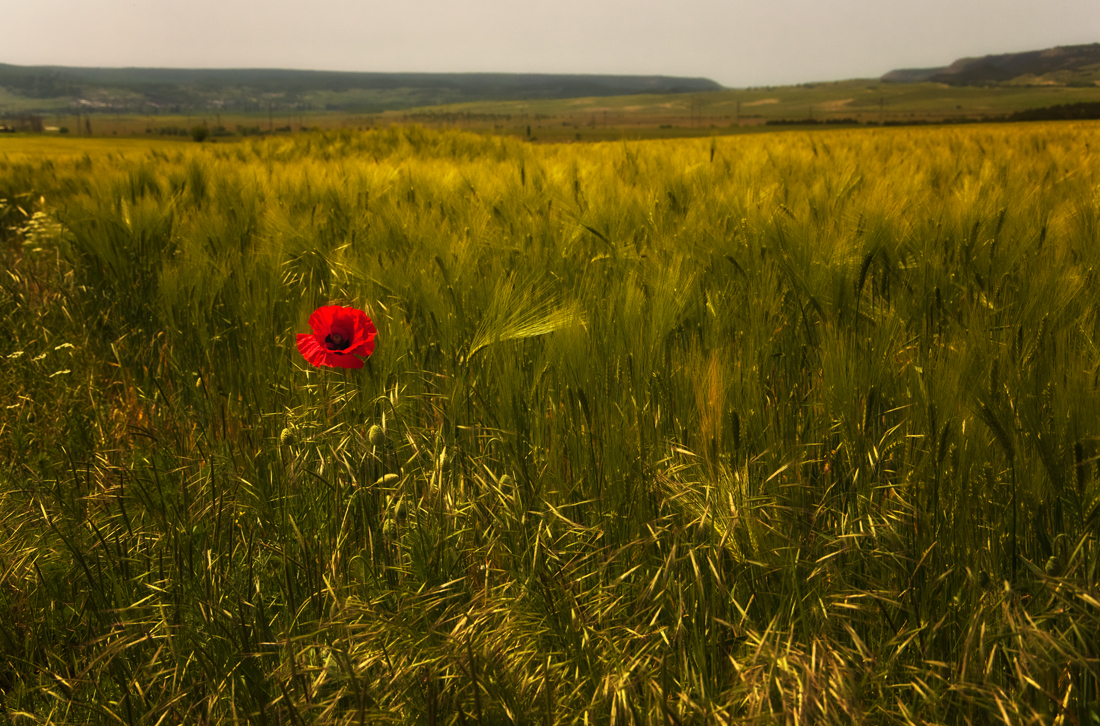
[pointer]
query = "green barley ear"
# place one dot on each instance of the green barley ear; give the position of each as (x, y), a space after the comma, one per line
(376, 436)
(521, 310)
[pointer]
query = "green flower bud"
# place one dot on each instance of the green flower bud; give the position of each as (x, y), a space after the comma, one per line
(376, 436)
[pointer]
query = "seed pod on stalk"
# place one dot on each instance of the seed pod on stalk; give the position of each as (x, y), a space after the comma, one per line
(376, 436)
(287, 437)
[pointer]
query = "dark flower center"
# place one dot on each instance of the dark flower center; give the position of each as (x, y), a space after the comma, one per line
(336, 341)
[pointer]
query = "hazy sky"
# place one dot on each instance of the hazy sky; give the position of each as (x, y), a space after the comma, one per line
(735, 42)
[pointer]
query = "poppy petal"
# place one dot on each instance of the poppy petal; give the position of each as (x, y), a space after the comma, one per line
(352, 326)
(310, 349)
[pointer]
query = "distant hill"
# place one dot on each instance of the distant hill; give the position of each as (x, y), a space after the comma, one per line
(150, 90)
(1064, 65)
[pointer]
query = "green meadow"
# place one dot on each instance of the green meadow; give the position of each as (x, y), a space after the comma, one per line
(775, 428)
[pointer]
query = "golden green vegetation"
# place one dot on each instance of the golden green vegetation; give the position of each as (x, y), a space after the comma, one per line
(32, 148)
(780, 428)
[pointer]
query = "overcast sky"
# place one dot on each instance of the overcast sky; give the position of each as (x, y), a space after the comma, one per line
(735, 42)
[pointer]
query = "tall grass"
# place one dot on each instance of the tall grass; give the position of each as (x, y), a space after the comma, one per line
(793, 428)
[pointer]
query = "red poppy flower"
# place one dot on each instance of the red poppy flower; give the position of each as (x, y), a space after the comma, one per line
(341, 337)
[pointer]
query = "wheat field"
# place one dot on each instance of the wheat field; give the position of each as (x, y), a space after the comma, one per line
(789, 428)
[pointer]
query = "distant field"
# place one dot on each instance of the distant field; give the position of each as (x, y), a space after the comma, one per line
(643, 116)
(103, 124)
(836, 97)
(864, 100)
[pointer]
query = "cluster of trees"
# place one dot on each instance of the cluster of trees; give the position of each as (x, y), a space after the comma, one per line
(1068, 111)
(1063, 112)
